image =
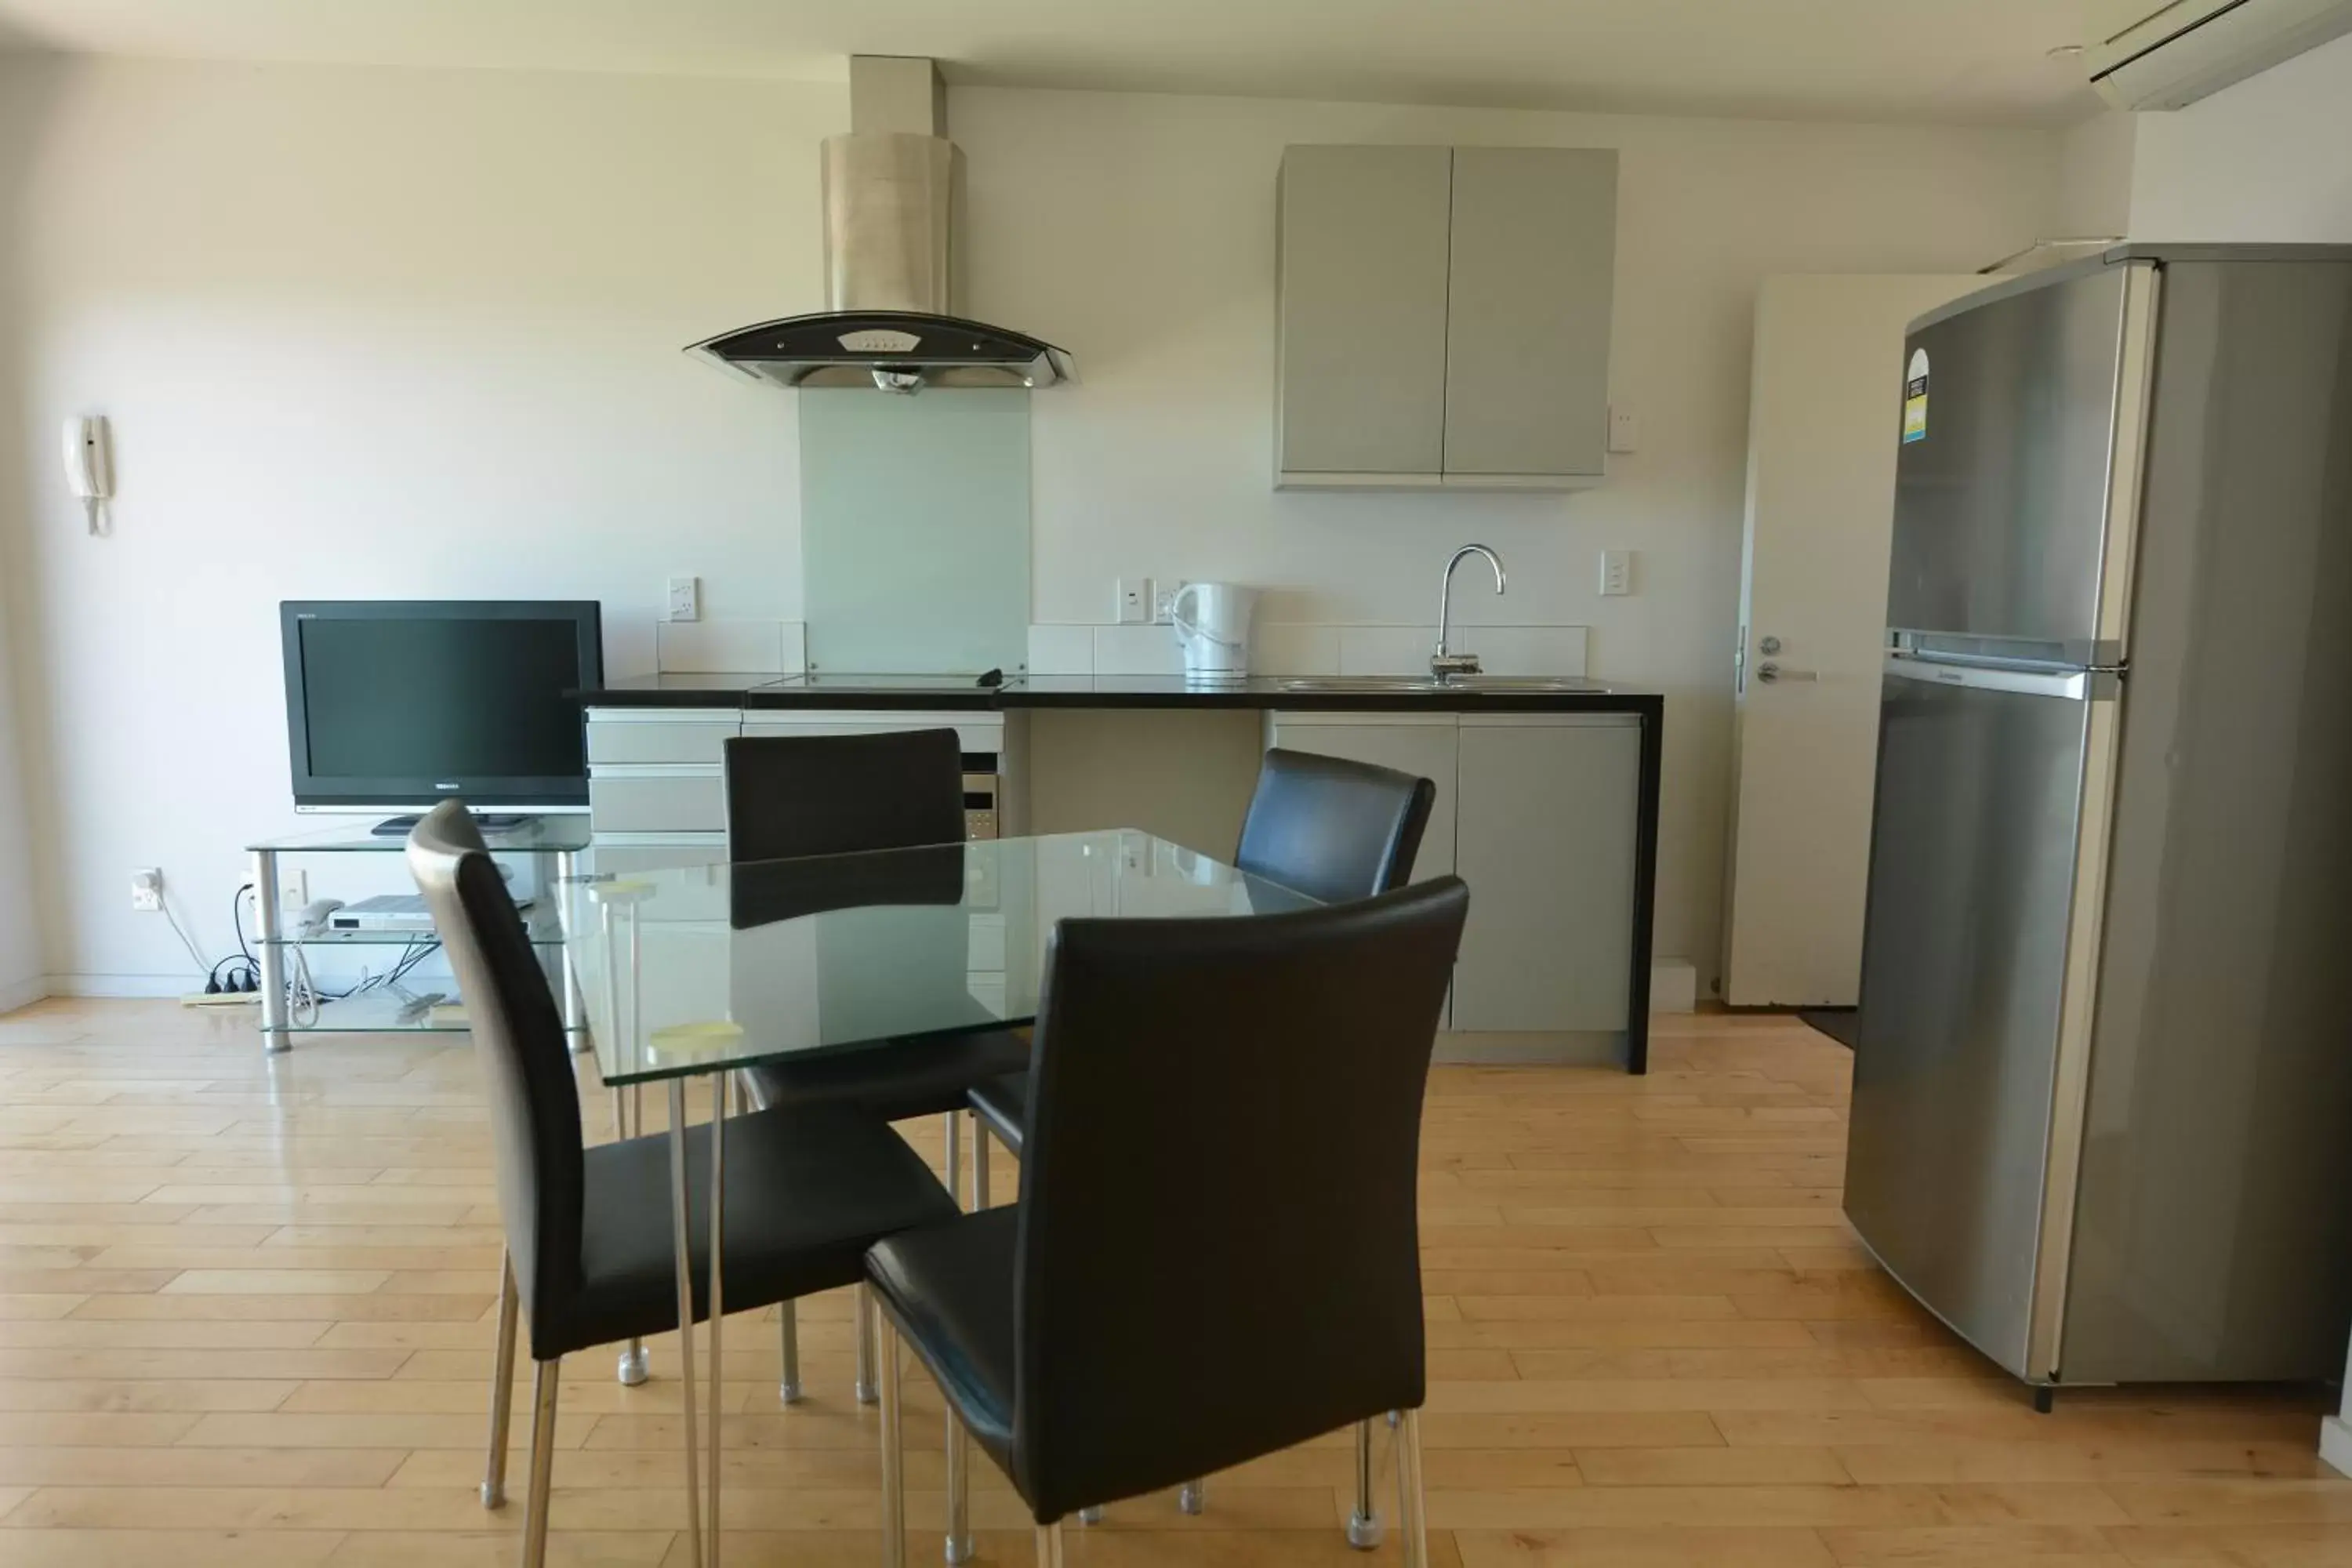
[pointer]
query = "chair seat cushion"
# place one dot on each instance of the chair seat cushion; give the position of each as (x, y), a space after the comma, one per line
(949, 1289)
(910, 1078)
(808, 1190)
(1004, 1103)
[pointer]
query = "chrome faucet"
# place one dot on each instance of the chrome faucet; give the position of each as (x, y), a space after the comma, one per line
(1441, 663)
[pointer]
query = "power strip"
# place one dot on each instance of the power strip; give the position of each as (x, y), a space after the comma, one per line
(220, 999)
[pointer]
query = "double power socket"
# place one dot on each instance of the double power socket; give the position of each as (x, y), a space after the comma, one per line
(1141, 601)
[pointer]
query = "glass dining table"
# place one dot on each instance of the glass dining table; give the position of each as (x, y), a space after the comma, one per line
(691, 971)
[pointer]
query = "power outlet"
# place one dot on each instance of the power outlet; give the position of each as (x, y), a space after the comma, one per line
(1132, 601)
(147, 889)
(1624, 429)
(685, 599)
(1616, 572)
(294, 891)
(1163, 606)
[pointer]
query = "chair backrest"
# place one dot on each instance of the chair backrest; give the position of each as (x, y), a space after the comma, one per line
(1219, 1253)
(791, 795)
(518, 1040)
(1331, 829)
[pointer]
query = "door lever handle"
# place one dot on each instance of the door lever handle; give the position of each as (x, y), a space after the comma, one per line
(1771, 674)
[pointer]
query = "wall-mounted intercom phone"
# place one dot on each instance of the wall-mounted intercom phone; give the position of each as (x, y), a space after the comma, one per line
(89, 468)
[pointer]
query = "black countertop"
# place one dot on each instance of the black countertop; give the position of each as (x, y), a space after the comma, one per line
(948, 693)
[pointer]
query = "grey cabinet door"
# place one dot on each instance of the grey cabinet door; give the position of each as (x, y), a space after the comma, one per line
(1362, 368)
(1544, 837)
(1533, 269)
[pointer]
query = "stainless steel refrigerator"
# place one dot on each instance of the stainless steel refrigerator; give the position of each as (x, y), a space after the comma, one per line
(2102, 1074)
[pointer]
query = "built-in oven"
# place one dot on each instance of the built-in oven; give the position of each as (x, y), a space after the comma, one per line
(981, 782)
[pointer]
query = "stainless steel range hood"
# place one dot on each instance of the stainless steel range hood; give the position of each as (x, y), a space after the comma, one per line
(893, 192)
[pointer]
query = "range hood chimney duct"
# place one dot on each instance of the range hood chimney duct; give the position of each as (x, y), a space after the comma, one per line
(893, 194)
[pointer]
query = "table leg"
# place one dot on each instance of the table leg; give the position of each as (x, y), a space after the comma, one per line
(576, 1005)
(718, 1299)
(684, 1259)
(272, 957)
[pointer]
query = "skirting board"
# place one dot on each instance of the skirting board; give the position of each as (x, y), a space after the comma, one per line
(2336, 1444)
(24, 992)
(1567, 1048)
(122, 986)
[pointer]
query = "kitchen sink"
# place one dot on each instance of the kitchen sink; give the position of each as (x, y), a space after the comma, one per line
(1431, 686)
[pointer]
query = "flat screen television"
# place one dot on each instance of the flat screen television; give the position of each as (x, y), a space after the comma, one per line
(394, 704)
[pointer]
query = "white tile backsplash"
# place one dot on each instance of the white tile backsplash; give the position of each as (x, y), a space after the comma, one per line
(1295, 647)
(1386, 650)
(1136, 650)
(1525, 650)
(1061, 650)
(753, 647)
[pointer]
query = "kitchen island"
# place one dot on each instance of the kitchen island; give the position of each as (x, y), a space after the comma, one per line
(1547, 799)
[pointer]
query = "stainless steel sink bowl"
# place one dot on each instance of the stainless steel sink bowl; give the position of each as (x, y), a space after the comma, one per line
(1428, 686)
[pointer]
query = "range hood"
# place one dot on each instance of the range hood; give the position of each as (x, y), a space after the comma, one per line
(893, 190)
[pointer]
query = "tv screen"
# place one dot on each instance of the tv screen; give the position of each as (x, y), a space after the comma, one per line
(404, 703)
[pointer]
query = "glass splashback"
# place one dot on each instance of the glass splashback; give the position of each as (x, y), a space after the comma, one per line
(915, 529)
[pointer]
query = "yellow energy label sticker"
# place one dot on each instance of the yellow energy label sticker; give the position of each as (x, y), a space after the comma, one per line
(1914, 398)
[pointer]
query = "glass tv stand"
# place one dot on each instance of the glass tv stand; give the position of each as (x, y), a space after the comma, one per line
(549, 843)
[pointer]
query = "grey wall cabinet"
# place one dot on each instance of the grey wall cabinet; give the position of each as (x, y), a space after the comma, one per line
(1444, 316)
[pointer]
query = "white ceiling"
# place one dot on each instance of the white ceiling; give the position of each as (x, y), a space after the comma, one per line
(1973, 60)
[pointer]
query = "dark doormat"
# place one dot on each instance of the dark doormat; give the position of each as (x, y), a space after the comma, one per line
(1837, 1023)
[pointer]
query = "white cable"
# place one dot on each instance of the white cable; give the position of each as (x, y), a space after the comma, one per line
(164, 902)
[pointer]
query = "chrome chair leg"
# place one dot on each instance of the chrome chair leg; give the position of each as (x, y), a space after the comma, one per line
(789, 1328)
(958, 1544)
(1049, 1545)
(865, 1309)
(1364, 1524)
(636, 1364)
(894, 1471)
(955, 1158)
(1410, 1522)
(494, 1476)
(1190, 1499)
(980, 1137)
(544, 1377)
(1090, 1516)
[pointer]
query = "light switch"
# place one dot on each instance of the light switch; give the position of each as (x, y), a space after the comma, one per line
(1624, 429)
(1133, 601)
(1616, 572)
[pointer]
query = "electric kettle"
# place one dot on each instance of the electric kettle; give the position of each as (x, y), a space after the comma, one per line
(1212, 628)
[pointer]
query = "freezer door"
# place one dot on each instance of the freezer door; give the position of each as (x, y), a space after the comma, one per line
(2001, 509)
(1973, 860)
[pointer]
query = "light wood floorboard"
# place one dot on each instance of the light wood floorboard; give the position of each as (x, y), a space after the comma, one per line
(246, 1305)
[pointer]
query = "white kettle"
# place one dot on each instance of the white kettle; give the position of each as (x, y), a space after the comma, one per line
(1212, 628)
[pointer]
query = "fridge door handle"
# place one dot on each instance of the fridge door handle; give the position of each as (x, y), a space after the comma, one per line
(2072, 686)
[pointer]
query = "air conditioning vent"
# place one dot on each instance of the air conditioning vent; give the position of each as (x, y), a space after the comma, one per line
(2147, 55)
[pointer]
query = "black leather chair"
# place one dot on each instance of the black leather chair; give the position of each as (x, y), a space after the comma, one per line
(790, 797)
(591, 1253)
(1193, 1276)
(1326, 826)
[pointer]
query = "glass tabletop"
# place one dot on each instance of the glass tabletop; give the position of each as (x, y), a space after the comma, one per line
(695, 969)
(557, 832)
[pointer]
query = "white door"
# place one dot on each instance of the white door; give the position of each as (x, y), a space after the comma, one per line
(1824, 421)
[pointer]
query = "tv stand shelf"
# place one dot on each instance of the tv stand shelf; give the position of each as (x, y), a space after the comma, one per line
(550, 844)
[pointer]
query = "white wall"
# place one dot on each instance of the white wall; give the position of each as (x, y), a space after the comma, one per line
(367, 333)
(21, 958)
(2095, 176)
(378, 333)
(1138, 230)
(2265, 160)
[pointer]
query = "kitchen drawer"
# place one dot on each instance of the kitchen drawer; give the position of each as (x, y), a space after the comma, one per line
(974, 732)
(655, 799)
(684, 735)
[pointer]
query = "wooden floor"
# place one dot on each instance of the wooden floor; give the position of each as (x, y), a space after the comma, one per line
(245, 1316)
